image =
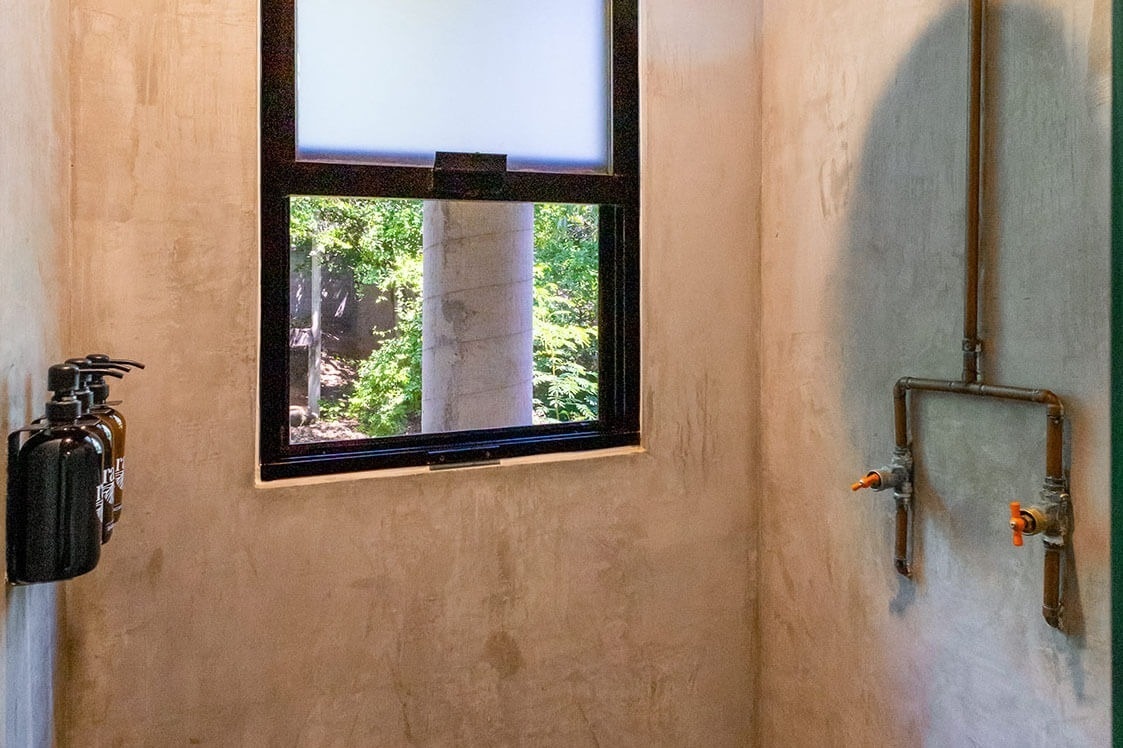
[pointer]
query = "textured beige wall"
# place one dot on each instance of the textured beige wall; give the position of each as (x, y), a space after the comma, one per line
(862, 221)
(34, 239)
(601, 602)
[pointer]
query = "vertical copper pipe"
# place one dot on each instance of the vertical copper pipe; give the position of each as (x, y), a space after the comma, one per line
(901, 414)
(1053, 584)
(1051, 588)
(1054, 444)
(974, 195)
(901, 548)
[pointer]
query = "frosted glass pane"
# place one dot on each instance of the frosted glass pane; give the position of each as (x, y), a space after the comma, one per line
(393, 81)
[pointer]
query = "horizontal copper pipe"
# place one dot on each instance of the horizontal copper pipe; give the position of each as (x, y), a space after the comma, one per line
(1053, 406)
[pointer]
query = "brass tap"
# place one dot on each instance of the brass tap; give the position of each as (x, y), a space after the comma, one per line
(1028, 521)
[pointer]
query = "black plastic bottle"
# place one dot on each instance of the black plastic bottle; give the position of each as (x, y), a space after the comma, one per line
(101, 428)
(114, 417)
(53, 530)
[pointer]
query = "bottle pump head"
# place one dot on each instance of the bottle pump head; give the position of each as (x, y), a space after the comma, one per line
(69, 383)
(95, 371)
(98, 388)
(63, 380)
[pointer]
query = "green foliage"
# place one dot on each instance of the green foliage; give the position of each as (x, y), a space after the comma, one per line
(565, 312)
(380, 241)
(387, 395)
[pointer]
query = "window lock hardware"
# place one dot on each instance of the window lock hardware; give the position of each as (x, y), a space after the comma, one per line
(469, 175)
(447, 459)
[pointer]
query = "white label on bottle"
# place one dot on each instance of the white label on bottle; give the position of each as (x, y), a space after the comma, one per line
(119, 473)
(105, 493)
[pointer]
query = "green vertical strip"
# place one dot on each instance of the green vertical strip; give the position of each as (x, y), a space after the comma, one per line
(1117, 374)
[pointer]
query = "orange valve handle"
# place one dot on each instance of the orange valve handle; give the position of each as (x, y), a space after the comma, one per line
(872, 480)
(1017, 522)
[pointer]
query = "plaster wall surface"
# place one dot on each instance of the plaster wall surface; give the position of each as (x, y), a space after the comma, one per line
(34, 239)
(602, 602)
(865, 123)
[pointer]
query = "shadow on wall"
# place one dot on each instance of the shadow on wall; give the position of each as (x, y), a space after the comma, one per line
(29, 625)
(897, 288)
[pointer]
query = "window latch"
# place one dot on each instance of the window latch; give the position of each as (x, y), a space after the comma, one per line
(479, 456)
(469, 175)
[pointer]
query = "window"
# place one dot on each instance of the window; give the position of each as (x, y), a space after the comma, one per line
(449, 232)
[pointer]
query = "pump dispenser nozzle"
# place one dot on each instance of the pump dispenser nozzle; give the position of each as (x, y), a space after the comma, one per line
(101, 358)
(96, 366)
(94, 374)
(88, 369)
(86, 365)
(85, 376)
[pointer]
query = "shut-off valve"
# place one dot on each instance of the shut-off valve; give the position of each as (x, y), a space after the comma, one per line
(1051, 519)
(898, 476)
(1028, 521)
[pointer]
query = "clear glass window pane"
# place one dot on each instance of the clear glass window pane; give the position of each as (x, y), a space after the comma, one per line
(409, 317)
(394, 81)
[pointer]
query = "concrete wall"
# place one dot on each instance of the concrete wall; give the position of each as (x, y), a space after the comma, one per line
(601, 602)
(864, 127)
(34, 242)
(611, 601)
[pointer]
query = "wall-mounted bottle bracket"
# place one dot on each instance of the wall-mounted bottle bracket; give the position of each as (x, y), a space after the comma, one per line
(66, 475)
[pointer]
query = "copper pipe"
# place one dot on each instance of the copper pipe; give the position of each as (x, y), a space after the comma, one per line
(1054, 446)
(1051, 588)
(901, 548)
(971, 383)
(1054, 469)
(971, 343)
(900, 415)
(1054, 412)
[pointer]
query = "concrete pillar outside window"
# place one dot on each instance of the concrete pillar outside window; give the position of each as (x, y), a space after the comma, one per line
(477, 315)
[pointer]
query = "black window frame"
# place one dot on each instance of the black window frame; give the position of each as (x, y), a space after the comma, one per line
(616, 193)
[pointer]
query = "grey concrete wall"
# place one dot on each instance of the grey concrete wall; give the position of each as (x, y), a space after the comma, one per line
(602, 602)
(34, 239)
(863, 214)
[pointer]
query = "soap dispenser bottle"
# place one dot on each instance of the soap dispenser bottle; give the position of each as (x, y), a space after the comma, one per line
(113, 417)
(102, 428)
(53, 528)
